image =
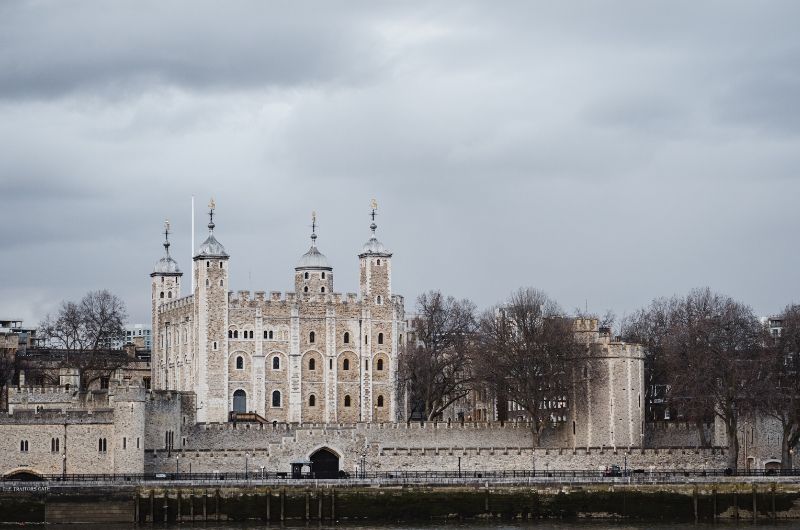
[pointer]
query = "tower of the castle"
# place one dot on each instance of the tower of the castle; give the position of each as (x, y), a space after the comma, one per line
(378, 340)
(165, 286)
(313, 274)
(211, 318)
(607, 401)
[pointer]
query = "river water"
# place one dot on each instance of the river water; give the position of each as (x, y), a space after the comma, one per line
(470, 525)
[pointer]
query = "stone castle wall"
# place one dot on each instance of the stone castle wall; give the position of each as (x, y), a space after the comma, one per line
(414, 447)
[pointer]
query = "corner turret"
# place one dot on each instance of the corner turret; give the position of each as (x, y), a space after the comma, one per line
(165, 286)
(313, 274)
(211, 315)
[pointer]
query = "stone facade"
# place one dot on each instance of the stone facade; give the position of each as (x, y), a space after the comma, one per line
(312, 355)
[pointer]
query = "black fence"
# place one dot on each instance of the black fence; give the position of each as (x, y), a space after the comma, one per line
(423, 476)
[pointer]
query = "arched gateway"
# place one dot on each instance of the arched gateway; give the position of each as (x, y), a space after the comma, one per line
(325, 463)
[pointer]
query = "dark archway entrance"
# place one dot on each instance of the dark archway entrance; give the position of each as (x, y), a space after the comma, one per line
(325, 464)
(239, 401)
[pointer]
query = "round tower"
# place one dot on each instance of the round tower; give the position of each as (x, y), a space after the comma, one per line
(313, 274)
(165, 286)
(211, 317)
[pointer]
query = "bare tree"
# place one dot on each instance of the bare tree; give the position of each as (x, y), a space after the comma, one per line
(8, 367)
(85, 331)
(434, 365)
(712, 348)
(651, 327)
(780, 396)
(525, 347)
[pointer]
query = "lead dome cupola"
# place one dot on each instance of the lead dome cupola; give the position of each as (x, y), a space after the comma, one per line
(211, 248)
(313, 259)
(373, 247)
(166, 265)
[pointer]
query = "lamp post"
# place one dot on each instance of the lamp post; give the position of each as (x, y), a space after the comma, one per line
(176, 467)
(246, 457)
(262, 472)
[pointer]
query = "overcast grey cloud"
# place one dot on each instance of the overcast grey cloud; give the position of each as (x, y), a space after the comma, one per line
(607, 153)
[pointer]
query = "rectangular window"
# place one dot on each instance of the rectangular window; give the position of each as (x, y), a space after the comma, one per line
(146, 382)
(104, 382)
(137, 443)
(124, 443)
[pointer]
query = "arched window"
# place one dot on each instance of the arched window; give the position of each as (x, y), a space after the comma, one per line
(305, 276)
(162, 294)
(322, 289)
(276, 398)
(265, 334)
(235, 333)
(323, 275)
(346, 364)
(251, 334)
(230, 333)
(220, 283)
(380, 401)
(270, 334)
(346, 337)
(240, 363)
(347, 401)
(312, 364)
(311, 337)
(312, 400)
(305, 289)
(276, 363)
(220, 264)
(379, 300)
(379, 263)
(380, 338)
(379, 365)
(169, 294)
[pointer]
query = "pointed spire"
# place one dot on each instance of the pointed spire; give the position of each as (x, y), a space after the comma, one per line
(211, 207)
(166, 236)
(313, 228)
(374, 206)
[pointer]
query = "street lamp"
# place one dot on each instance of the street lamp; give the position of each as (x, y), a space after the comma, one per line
(246, 457)
(176, 467)
(262, 472)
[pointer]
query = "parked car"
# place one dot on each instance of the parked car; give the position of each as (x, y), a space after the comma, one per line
(612, 471)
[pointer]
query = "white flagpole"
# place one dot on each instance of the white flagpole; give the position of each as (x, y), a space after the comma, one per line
(192, 256)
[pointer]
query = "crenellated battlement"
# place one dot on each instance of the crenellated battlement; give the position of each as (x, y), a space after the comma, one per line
(246, 299)
(176, 304)
(51, 416)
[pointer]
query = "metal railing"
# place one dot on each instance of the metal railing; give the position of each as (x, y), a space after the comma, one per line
(504, 476)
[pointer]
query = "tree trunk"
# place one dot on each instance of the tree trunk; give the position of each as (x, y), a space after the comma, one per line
(786, 456)
(733, 444)
(701, 432)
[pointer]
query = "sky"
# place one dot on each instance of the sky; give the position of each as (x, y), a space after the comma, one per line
(606, 152)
